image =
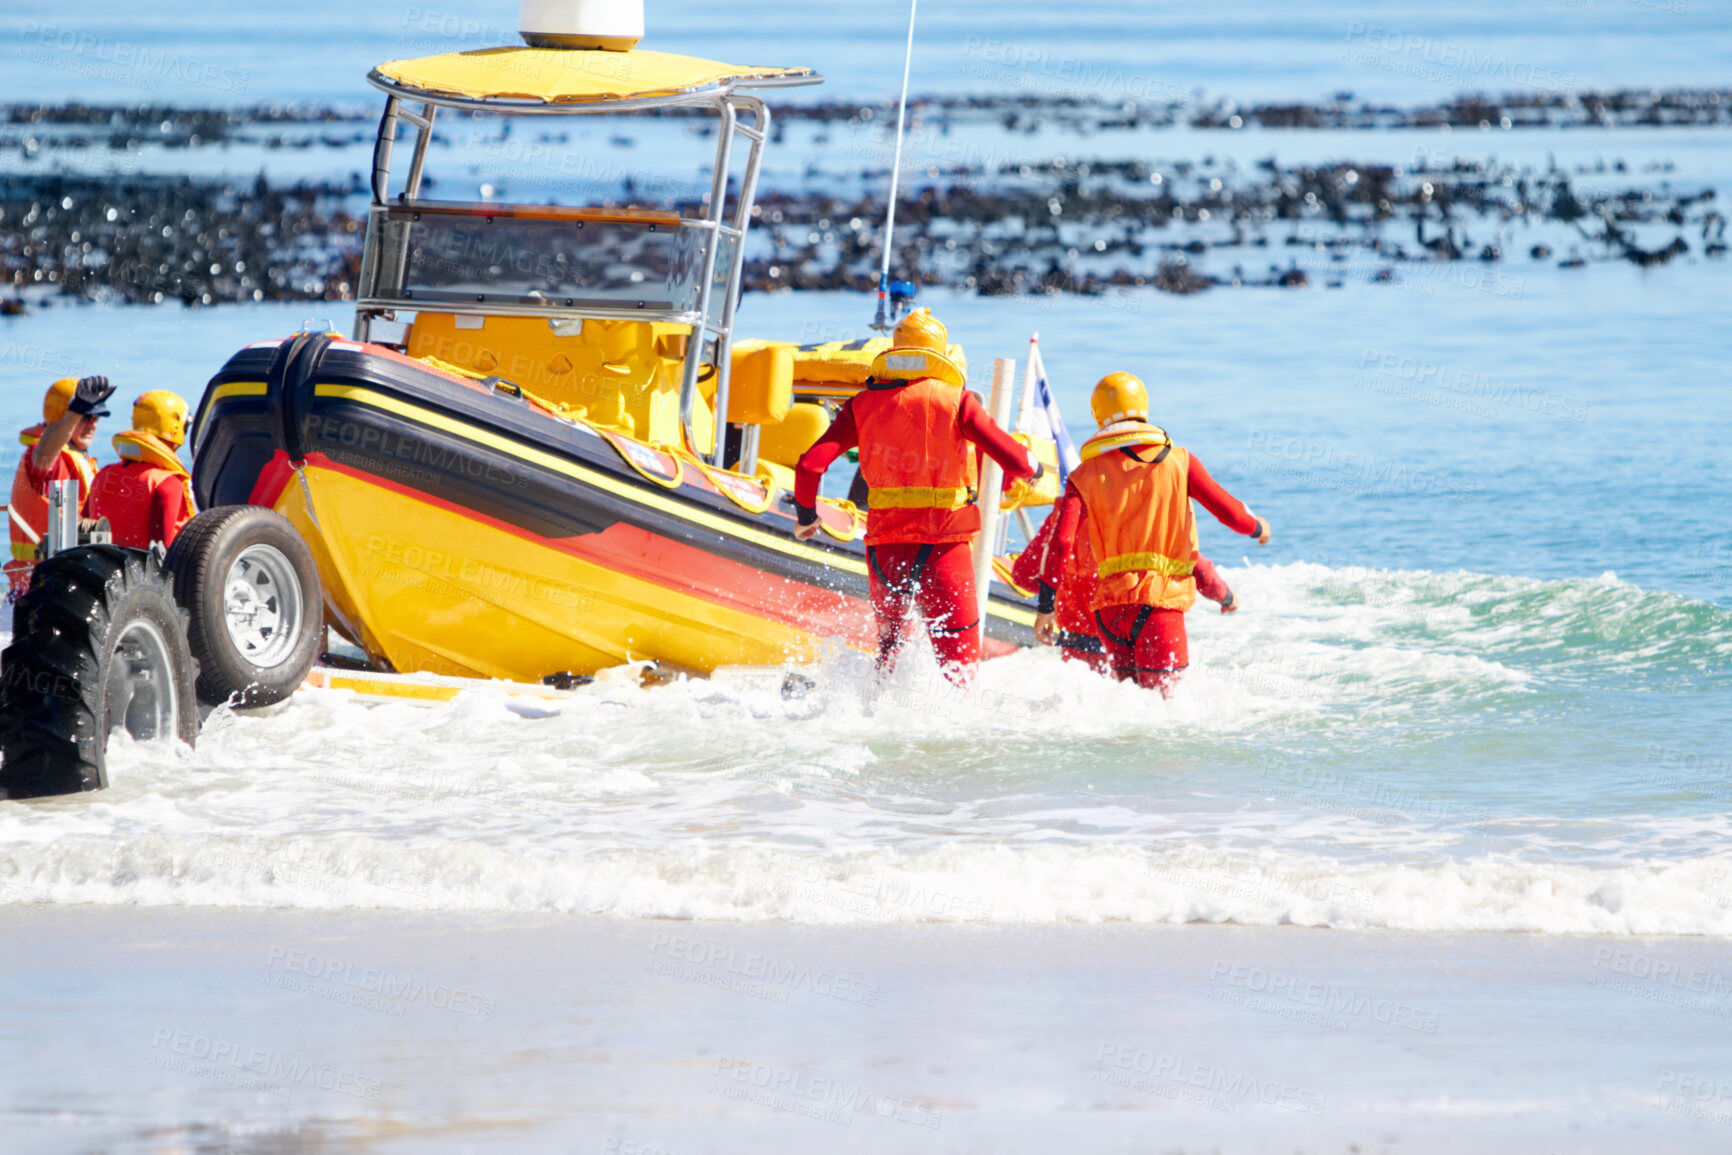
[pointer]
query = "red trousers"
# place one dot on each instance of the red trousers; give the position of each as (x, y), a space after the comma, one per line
(1085, 648)
(938, 582)
(1145, 644)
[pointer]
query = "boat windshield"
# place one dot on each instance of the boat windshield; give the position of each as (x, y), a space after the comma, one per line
(516, 250)
(585, 260)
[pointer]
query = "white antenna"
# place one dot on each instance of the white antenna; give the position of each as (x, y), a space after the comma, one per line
(882, 321)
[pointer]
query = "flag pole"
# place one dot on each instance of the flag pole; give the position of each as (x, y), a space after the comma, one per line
(1029, 375)
(991, 482)
(883, 320)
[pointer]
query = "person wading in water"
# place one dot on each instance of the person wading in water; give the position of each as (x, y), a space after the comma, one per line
(1136, 488)
(919, 432)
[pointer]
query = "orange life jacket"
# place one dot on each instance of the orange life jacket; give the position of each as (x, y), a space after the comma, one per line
(1141, 527)
(122, 494)
(27, 510)
(919, 467)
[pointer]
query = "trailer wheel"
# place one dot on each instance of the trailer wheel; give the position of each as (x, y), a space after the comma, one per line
(255, 610)
(99, 645)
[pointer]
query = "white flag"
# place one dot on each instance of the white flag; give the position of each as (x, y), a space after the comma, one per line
(1044, 420)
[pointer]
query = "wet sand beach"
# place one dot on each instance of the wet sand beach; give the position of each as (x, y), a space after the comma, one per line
(258, 1031)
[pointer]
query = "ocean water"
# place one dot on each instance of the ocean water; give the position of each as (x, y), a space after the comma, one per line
(1480, 680)
(202, 52)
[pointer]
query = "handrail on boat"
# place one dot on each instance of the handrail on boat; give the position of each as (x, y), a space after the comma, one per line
(711, 328)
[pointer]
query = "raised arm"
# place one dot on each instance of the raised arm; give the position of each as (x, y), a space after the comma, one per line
(837, 440)
(979, 427)
(1228, 510)
(47, 448)
(87, 401)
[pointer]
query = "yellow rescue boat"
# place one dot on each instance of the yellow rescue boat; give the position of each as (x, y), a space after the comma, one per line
(511, 468)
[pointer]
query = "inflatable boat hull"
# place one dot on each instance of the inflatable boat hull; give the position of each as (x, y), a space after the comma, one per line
(460, 529)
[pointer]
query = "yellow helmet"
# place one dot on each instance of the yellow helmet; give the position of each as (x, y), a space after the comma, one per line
(920, 348)
(1119, 397)
(58, 397)
(161, 413)
(921, 330)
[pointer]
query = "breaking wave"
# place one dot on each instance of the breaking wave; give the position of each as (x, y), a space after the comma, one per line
(1296, 777)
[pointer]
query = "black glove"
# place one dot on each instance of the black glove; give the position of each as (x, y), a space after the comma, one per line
(92, 392)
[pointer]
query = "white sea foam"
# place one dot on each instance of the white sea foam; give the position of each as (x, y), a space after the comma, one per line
(1044, 796)
(986, 884)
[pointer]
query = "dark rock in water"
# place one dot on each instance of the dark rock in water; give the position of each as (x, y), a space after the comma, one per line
(1565, 206)
(1620, 108)
(1444, 247)
(1572, 263)
(1060, 225)
(11, 307)
(147, 240)
(1713, 233)
(1648, 258)
(1173, 277)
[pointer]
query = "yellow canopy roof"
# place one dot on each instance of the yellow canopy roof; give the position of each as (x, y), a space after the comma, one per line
(572, 76)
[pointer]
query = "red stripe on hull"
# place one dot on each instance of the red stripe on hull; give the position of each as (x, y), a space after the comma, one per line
(273, 479)
(672, 565)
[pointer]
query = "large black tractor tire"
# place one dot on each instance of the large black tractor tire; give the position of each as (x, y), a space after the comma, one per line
(98, 644)
(255, 609)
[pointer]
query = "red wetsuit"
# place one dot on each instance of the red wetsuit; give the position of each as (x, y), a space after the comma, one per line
(27, 508)
(143, 503)
(1210, 583)
(1079, 637)
(1145, 642)
(920, 557)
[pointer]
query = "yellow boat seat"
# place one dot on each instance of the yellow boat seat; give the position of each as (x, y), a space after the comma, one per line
(760, 383)
(785, 441)
(623, 375)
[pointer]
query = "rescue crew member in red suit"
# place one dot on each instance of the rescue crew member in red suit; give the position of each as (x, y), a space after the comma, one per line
(919, 432)
(59, 450)
(147, 495)
(1136, 488)
(1079, 638)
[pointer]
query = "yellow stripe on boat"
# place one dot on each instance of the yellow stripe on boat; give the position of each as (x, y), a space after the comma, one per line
(682, 509)
(237, 389)
(419, 687)
(374, 686)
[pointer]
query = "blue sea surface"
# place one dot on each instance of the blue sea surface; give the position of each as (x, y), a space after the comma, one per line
(1482, 678)
(103, 51)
